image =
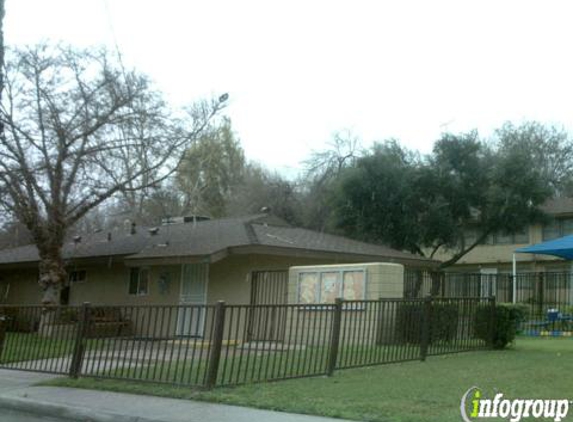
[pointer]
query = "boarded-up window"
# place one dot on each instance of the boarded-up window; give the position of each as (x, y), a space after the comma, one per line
(329, 287)
(326, 286)
(308, 287)
(354, 285)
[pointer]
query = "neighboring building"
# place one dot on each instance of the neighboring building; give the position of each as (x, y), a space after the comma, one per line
(495, 255)
(239, 260)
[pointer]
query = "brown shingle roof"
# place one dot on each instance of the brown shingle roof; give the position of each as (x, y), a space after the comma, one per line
(208, 237)
(558, 206)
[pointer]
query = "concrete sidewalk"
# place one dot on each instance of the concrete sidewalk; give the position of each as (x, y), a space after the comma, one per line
(17, 392)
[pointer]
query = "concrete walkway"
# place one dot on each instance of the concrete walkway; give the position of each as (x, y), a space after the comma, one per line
(17, 392)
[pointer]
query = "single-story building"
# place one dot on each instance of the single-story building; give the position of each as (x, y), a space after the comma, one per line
(196, 262)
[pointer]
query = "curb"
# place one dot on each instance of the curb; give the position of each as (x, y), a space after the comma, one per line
(71, 413)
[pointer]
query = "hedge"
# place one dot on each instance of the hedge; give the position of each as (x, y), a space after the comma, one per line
(443, 323)
(507, 318)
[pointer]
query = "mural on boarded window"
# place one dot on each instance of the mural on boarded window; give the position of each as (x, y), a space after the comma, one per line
(330, 288)
(326, 286)
(353, 285)
(308, 286)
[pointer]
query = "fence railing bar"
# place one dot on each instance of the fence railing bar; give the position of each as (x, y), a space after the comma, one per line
(250, 343)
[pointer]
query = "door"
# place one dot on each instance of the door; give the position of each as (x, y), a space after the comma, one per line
(488, 282)
(267, 320)
(193, 295)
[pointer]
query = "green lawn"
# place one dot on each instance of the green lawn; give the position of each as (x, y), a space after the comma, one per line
(22, 347)
(238, 366)
(412, 391)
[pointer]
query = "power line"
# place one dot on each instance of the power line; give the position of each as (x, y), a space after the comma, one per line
(114, 38)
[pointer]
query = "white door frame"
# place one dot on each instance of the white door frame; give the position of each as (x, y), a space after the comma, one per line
(187, 324)
(491, 289)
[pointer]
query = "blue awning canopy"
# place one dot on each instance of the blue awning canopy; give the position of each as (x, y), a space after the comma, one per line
(562, 247)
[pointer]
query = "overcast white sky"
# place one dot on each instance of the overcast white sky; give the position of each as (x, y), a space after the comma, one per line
(298, 71)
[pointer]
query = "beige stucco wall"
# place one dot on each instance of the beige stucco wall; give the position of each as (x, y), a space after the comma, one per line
(109, 285)
(359, 324)
(229, 279)
(500, 257)
(383, 280)
(105, 284)
(20, 286)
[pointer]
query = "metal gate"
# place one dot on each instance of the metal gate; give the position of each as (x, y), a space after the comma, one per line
(267, 323)
(191, 319)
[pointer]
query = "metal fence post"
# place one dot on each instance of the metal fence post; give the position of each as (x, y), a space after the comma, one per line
(541, 297)
(426, 327)
(3, 323)
(492, 327)
(79, 346)
(380, 323)
(335, 338)
(216, 345)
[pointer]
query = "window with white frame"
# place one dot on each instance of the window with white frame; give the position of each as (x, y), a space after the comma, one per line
(326, 286)
(499, 238)
(139, 281)
(77, 276)
(557, 228)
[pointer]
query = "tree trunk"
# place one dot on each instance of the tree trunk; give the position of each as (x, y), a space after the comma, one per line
(52, 275)
(460, 254)
(438, 280)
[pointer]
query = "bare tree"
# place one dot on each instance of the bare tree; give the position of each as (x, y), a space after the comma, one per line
(261, 188)
(79, 130)
(213, 169)
(342, 151)
(2, 13)
(322, 171)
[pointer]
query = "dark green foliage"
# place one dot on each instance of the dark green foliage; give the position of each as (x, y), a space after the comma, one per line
(506, 320)
(375, 199)
(550, 147)
(423, 204)
(443, 323)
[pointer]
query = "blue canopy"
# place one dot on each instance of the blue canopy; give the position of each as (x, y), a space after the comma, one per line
(562, 247)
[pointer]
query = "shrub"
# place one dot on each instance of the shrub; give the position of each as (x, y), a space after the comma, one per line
(507, 318)
(443, 324)
(67, 316)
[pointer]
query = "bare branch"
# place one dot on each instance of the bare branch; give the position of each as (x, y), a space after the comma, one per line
(81, 130)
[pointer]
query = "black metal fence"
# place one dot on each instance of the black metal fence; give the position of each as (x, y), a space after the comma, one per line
(213, 345)
(546, 297)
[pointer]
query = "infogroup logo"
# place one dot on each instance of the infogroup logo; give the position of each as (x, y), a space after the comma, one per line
(475, 406)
